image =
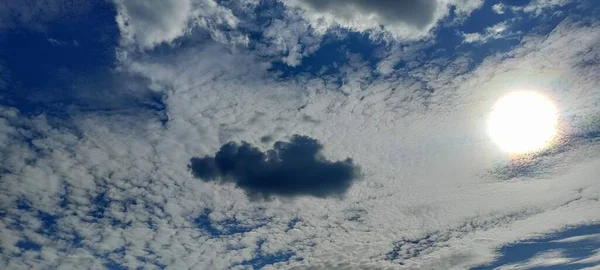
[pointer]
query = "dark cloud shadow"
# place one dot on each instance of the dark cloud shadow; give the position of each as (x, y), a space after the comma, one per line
(293, 168)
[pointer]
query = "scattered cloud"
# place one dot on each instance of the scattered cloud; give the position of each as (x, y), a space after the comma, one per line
(108, 187)
(498, 8)
(290, 39)
(593, 259)
(539, 6)
(580, 238)
(289, 169)
(150, 23)
(61, 43)
(550, 258)
(496, 31)
(404, 20)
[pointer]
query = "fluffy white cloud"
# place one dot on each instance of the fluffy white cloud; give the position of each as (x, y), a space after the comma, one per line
(498, 8)
(404, 20)
(289, 39)
(147, 24)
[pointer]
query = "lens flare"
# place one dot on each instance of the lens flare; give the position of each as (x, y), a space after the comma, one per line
(523, 122)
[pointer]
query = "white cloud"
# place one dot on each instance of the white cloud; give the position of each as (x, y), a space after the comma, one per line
(381, 102)
(539, 6)
(384, 109)
(550, 258)
(594, 258)
(496, 31)
(573, 239)
(152, 23)
(417, 134)
(498, 8)
(290, 38)
(147, 24)
(404, 20)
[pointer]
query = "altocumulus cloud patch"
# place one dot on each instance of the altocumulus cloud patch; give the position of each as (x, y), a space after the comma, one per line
(291, 168)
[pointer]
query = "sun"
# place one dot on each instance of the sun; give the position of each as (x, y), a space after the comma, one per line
(522, 122)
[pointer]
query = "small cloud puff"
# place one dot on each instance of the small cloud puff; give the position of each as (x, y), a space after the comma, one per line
(496, 31)
(498, 8)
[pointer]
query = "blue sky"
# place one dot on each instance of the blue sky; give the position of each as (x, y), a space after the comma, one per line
(576, 243)
(289, 134)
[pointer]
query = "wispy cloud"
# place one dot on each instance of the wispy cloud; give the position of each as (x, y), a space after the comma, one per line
(497, 31)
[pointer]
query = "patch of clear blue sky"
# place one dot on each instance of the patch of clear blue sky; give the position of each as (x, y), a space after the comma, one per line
(42, 63)
(577, 250)
(69, 64)
(332, 55)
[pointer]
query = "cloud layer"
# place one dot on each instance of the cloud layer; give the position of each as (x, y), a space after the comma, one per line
(407, 20)
(289, 169)
(148, 24)
(109, 188)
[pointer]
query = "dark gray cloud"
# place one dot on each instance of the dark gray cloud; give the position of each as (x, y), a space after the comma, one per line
(266, 139)
(289, 169)
(417, 13)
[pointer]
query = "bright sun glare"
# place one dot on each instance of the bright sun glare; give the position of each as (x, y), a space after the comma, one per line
(522, 122)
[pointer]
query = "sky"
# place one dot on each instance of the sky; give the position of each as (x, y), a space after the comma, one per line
(294, 134)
